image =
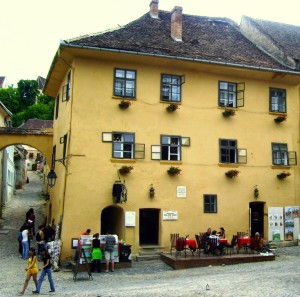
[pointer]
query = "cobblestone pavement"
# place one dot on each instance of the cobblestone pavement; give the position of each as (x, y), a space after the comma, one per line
(153, 278)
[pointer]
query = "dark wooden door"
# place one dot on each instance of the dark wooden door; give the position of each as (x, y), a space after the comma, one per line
(257, 217)
(149, 226)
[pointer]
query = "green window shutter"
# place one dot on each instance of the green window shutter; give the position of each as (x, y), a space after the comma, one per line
(242, 156)
(106, 136)
(155, 152)
(292, 158)
(240, 94)
(139, 151)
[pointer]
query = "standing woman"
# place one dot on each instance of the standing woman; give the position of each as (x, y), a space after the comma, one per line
(46, 269)
(96, 253)
(31, 270)
(25, 242)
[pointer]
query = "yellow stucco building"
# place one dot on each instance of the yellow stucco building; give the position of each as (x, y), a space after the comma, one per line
(227, 94)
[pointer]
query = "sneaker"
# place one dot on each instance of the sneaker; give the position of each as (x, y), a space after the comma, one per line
(52, 291)
(35, 292)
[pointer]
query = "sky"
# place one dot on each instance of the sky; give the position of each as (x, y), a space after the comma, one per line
(31, 30)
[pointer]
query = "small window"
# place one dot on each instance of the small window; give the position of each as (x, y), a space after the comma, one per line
(67, 89)
(231, 94)
(65, 148)
(30, 155)
(170, 148)
(277, 100)
(53, 157)
(170, 88)
(125, 83)
(228, 151)
(57, 107)
(281, 156)
(210, 203)
(123, 145)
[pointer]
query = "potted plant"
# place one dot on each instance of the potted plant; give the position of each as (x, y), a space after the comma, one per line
(283, 175)
(172, 107)
(125, 169)
(124, 104)
(280, 119)
(173, 170)
(228, 113)
(232, 173)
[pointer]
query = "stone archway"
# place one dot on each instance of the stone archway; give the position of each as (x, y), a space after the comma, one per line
(42, 140)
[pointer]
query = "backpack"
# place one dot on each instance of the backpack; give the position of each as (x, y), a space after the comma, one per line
(38, 236)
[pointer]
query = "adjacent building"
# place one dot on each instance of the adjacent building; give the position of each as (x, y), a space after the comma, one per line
(171, 93)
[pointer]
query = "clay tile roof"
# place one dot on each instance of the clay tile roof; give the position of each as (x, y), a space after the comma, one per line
(37, 124)
(204, 38)
(285, 36)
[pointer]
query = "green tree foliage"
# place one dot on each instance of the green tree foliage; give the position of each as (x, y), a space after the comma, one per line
(28, 90)
(11, 99)
(26, 102)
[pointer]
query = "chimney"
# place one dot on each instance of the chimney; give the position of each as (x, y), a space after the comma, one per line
(176, 23)
(154, 9)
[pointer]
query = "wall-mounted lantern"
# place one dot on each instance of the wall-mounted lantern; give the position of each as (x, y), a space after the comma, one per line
(51, 176)
(151, 191)
(256, 192)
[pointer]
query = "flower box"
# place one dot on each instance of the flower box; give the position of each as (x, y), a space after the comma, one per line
(173, 170)
(228, 113)
(283, 175)
(125, 169)
(172, 107)
(232, 173)
(280, 119)
(124, 104)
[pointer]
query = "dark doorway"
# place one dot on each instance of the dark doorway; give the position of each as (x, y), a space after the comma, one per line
(149, 226)
(257, 217)
(112, 221)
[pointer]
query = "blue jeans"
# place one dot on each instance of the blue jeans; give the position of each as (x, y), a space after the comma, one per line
(39, 248)
(25, 249)
(42, 276)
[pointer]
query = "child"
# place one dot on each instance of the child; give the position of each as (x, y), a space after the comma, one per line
(46, 269)
(31, 270)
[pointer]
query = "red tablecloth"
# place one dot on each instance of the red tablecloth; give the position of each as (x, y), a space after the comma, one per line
(223, 240)
(243, 240)
(191, 243)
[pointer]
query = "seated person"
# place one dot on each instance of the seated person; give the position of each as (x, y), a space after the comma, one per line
(221, 233)
(214, 244)
(205, 239)
(259, 243)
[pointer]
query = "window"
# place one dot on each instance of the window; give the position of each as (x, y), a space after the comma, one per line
(31, 156)
(125, 83)
(53, 157)
(281, 156)
(171, 88)
(229, 153)
(65, 148)
(210, 203)
(57, 107)
(66, 89)
(124, 146)
(231, 94)
(277, 100)
(170, 148)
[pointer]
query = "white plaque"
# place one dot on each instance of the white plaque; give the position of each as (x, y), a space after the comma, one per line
(170, 215)
(130, 218)
(181, 191)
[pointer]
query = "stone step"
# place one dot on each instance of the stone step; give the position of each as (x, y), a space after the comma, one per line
(140, 258)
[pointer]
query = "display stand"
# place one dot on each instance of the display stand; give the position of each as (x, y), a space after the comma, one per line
(79, 266)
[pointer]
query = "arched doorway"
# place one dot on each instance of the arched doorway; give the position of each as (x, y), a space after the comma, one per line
(112, 220)
(256, 217)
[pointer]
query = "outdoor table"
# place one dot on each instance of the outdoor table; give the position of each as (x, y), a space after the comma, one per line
(243, 240)
(191, 243)
(223, 241)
